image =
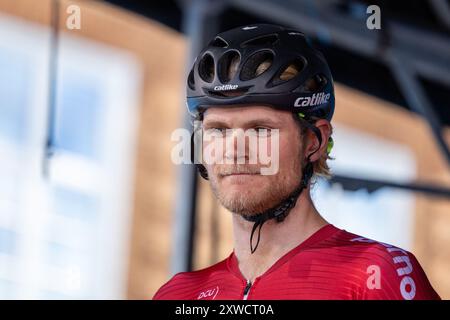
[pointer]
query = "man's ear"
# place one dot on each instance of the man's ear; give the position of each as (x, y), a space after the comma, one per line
(312, 144)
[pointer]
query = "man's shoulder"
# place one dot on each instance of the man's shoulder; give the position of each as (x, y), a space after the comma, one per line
(378, 269)
(189, 281)
(356, 249)
(357, 246)
(370, 246)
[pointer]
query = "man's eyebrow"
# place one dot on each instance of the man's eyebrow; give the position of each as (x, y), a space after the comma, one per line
(214, 123)
(263, 122)
(245, 124)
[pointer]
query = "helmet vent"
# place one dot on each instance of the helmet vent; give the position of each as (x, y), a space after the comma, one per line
(256, 65)
(290, 71)
(191, 81)
(218, 42)
(206, 68)
(315, 83)
(266, 40)
(228, 66)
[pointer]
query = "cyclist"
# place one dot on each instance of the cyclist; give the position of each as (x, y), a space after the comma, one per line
(269, 79)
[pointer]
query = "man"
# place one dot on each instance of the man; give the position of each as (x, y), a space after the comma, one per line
(268, 79)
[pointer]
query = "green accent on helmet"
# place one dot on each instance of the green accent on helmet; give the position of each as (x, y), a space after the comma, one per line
(330, 145)
(301, 115)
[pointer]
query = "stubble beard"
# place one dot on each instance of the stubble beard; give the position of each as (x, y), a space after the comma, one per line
(266, 195)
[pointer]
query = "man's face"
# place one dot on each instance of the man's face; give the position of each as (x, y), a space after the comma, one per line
(241, 188)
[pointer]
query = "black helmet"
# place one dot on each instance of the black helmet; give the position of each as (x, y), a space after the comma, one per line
(265, 64)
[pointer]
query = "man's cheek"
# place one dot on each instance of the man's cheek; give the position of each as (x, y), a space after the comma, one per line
(269, 154)
(211, 168)
(214, 147)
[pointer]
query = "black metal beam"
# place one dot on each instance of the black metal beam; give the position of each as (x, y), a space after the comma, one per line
(52, 86)
(353, 184)
(200, 19)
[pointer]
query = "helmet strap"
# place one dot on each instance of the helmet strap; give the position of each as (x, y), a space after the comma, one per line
(280, 212)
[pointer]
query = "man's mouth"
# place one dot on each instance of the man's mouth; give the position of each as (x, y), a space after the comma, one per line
(228, 174)
(238, 171)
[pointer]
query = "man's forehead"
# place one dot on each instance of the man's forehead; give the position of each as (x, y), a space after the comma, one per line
(243, 113)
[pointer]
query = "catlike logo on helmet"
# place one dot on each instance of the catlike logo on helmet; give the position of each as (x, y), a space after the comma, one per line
(315, 100)
(226, 87)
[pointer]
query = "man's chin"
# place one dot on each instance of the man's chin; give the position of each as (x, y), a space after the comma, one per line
(241, 179)
(245, 194)
(246, 202)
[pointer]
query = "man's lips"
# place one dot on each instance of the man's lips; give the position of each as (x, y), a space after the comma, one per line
(240, 174)
(237, 171)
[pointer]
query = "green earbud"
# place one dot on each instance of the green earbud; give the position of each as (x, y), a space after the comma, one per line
(330, 145)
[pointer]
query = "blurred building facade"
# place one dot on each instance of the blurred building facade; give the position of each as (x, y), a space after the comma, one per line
(97, 215)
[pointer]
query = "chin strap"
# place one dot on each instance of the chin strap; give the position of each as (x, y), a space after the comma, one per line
(282, 210)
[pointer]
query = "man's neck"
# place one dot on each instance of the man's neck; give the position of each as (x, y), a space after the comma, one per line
(277, 239)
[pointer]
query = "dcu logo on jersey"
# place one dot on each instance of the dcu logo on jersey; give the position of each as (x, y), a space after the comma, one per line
(209, 294)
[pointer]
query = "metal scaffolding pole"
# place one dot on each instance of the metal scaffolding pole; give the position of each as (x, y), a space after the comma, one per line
(199, 24)
(417, 99)
(52, 86)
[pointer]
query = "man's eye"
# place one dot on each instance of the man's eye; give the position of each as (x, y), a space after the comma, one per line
(262, 131)
(215, 131)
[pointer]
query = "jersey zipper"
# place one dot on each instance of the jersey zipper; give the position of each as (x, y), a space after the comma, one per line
(247, 290)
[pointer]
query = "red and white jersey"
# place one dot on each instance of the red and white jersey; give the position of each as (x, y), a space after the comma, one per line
(331, 264)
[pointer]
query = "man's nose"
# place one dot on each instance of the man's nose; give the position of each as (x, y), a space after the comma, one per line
(236, 146)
